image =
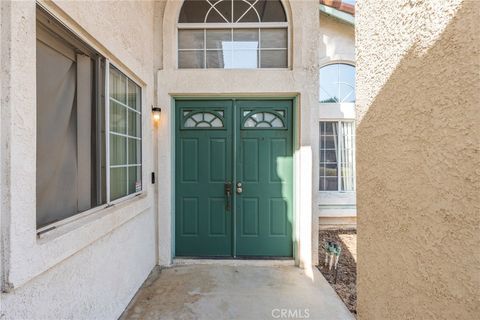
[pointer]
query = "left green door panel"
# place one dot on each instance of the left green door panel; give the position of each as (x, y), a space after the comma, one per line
(203, 218)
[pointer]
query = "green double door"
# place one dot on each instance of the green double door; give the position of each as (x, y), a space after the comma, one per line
(233, 178)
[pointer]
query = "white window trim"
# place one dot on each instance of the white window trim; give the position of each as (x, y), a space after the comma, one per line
(340, 142)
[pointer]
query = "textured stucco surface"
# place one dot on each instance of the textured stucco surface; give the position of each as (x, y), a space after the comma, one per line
(96, 283)
(91, 267)
(418, 159)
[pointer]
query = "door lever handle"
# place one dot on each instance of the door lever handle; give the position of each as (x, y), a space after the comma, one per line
(228, 194)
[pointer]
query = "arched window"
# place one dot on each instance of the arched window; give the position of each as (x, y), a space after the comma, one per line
(232, 34)
(337, 83)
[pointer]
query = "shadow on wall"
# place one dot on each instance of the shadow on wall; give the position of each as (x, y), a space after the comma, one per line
(418, 183)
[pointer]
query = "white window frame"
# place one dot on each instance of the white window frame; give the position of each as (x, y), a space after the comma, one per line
(107, 135)
(340, 146)
(333, 62)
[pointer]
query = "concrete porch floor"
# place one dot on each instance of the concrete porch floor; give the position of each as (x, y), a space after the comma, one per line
(225, 291)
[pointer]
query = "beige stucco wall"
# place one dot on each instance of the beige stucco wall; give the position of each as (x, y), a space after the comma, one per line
(418, 159)
(92, 266)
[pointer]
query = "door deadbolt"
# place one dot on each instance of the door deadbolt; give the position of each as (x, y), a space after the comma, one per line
(239, 188)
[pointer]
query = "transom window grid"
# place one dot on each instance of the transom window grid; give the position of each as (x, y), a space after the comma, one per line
(337, 164)
(249, 47)
(246, 34)
(125, 136)
(197, 119)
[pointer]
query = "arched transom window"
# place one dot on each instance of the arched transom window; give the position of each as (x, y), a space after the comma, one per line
(337, 83)
(232, 34)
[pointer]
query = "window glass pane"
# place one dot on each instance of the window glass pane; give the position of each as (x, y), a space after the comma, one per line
(243, 12)
(271, 11)
(133, 95)
(331, 183)
(134, 128)
(118, 150)
(217, 38)
(134, 179)
(118, 86)
(245, 38)
(244, 59)
(190, 59)
(193, 11)
(273, 58)
(190, 39)
(118, 117)
(274, 38)
(134, 151)
(346, 74)
(118, 183)
(328, 170)
(328, 84)
(218, 58)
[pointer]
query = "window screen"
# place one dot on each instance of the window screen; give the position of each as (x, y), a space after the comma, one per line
(69, 164)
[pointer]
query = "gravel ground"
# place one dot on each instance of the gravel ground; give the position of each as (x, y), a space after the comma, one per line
(347, 265)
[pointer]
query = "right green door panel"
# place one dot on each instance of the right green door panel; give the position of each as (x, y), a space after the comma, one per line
(251, 147)
(264, 172)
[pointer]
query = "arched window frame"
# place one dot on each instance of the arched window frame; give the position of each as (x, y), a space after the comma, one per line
(237, 25)
(333, 62)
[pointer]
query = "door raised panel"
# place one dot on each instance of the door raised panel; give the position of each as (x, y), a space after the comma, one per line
(249, 219)
(216, 217)
(278, 217)
(217, 160)
(189, 213)
(250, 154)
(189, 159)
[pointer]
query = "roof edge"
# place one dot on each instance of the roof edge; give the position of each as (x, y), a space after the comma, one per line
(340, 15)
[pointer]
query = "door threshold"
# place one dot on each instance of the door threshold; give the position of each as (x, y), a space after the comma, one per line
(228, 261)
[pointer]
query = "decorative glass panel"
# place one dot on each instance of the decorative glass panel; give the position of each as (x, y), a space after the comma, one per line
(263, 120)
(337, 83)
(199, 119)
(232, 11)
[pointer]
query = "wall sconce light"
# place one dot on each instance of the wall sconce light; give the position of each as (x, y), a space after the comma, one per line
(156, 113)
